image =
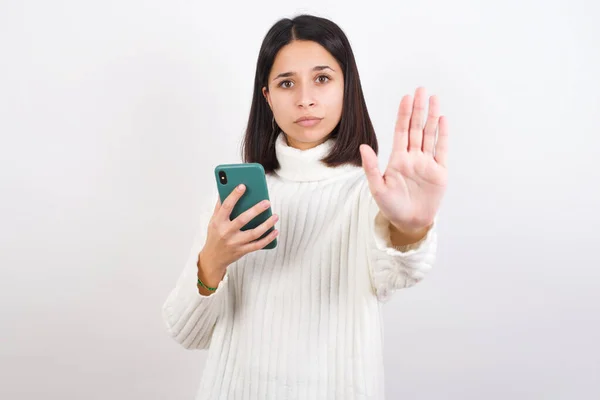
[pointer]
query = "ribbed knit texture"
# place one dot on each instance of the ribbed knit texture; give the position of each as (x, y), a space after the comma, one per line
(301, 321)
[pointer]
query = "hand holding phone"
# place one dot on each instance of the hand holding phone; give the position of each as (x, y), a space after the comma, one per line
(252, 175)
(241, 223)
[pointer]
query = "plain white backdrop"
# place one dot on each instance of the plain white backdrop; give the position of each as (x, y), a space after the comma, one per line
(113, 115)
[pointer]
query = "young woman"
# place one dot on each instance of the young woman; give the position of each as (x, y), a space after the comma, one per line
(302, 321)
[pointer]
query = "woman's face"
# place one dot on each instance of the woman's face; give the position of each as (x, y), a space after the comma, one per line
(305, 81)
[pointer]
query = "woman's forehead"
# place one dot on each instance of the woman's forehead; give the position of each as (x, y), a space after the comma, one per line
(301, 57)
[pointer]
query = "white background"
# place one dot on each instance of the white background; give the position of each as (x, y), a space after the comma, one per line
(113, 115)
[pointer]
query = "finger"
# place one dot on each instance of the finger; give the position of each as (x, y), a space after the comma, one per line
(250, 235)
(259, 244)
(370, 165)
(402, 124)
(227, 207)
(415, 136)
(431, 126)
(249, 214)
(441, 147)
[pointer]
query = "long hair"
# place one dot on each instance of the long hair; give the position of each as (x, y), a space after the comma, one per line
(354, 128)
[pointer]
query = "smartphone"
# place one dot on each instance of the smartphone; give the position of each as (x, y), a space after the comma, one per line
(252, 175)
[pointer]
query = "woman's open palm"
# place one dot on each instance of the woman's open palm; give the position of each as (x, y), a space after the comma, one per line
(410, 191)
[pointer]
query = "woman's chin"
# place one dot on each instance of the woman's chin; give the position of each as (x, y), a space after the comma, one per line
(306, 138)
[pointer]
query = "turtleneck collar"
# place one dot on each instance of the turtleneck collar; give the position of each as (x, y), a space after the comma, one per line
(306, 165)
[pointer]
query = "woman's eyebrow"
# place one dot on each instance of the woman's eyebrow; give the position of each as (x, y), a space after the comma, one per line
(291, 73)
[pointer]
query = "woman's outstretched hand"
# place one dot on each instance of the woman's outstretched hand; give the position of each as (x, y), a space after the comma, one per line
(410, 191)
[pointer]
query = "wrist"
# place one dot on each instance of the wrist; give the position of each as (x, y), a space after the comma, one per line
(403, 236)
(209, 273)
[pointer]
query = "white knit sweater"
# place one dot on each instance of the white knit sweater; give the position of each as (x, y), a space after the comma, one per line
(301, 321)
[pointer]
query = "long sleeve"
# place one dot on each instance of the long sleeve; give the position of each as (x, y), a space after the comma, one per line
(190, 317)
(391, 268)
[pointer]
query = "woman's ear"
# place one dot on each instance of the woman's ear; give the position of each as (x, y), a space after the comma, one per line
(265, 93)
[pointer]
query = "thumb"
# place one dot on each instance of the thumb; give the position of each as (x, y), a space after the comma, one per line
(371, 168)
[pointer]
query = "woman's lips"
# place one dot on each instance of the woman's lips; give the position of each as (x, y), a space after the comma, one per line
(309, 122)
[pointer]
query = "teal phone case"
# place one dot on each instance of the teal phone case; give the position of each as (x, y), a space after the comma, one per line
(253, 176)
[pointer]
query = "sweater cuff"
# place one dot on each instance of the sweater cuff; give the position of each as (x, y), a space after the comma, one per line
(191, 316)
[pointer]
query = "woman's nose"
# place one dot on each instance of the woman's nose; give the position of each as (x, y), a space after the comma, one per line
(306, 97)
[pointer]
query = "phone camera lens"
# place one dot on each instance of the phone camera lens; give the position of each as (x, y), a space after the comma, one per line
(222, 177)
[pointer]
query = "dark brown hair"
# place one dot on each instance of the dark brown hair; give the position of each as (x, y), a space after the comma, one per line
(354, 127)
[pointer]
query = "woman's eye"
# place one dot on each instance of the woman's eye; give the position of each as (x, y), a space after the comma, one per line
(288, 84)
